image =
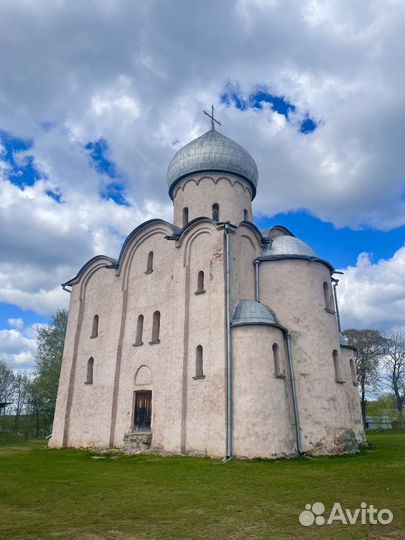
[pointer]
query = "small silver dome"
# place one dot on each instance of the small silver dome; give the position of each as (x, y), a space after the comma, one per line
(212, 152)
(288, 245)
(251, 312)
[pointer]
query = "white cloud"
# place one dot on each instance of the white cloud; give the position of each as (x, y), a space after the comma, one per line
(18, 324)
(18, 347)
(45, 243)
(138, 74)
(371, 295)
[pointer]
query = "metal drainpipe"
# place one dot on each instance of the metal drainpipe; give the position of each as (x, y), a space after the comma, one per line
(294, 395)
(228, 345)
(257, 290)
(335, 282)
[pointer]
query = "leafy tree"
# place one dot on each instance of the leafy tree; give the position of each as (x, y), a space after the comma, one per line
(35, 405)
(20, 397)
(7, 383)
(370, 346)
(44, 388)
(384, 405)
(394, 368)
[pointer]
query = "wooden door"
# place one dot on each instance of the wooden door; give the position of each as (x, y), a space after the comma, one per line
(143, 410)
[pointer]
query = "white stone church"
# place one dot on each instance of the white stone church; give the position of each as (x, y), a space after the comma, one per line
(208, 336)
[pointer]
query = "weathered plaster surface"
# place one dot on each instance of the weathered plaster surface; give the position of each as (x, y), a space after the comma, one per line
(189, 412)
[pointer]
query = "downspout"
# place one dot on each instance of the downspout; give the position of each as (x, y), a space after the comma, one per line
(294, 395)
(290, 365)
(228, 344)
(335, 282)
(257, 282)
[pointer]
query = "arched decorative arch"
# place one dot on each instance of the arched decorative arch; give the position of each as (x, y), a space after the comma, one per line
(143, 376)
(138, 236)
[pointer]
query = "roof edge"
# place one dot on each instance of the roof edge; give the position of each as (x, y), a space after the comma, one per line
(139, 228)
(86, 266)
(309, 258)
(271, 233)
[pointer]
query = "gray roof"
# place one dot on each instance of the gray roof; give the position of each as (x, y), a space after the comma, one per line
(251, 312)
(212, 152)
(343, 339)
(288, 245)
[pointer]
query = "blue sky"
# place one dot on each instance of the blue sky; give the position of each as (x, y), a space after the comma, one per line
(95, 102)
(258, 97)
(12, 311)
(340, 246)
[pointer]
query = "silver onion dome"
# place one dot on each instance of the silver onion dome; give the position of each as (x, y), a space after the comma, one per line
(251, 312)
(288, 245)
(212, 152)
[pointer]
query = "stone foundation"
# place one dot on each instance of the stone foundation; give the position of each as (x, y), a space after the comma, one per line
(137, 442)
(346, 442)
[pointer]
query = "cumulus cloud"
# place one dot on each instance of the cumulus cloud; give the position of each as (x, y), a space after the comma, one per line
(138, 74)
(371, 295)
(18, 347)
(18, 324)
(44, 243)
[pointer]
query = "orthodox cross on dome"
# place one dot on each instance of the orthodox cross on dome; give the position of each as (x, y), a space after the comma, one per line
(213, 119)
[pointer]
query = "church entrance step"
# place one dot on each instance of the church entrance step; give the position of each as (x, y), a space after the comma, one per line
(137, 441)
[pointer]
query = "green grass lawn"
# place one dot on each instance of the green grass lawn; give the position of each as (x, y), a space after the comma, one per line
(67, 494)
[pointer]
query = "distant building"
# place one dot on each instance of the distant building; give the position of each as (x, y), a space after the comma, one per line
(378, 422)
(208, 336)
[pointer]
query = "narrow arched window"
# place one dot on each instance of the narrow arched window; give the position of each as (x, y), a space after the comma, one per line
(245, 214)
(200, 282)
(215, 212)
(327, 295)
(139, 331)
(156, 327)
(353, 371)
(278, 366)
(337, 366)
(149, 264)
(94, 331)
(199, 362)
(90, 367)
(185, 216)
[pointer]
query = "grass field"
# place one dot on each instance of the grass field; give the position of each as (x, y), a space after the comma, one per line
(55, 494)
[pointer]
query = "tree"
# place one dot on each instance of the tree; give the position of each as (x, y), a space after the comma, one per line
(7, 382)
(394, 368)
(369, 345)
(35, 403)
(20, 396)
(50, 341)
